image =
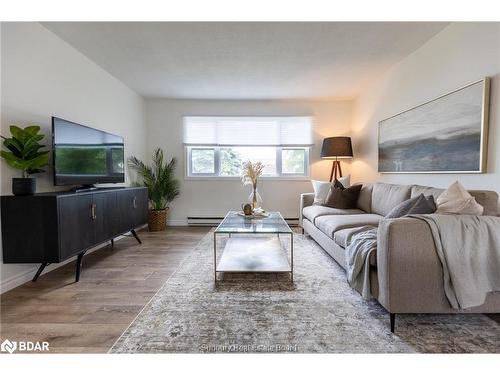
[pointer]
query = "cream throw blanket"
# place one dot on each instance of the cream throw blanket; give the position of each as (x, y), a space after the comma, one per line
(469, 249)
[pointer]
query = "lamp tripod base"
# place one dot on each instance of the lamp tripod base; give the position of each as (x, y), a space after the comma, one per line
(336, 170)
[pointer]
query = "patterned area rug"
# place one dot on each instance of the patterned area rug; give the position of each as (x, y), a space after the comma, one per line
(265, 313)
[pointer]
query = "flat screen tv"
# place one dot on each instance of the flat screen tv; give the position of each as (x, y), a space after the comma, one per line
(85, 156)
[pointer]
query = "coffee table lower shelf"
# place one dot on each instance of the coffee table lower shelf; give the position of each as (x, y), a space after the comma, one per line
(254, 254)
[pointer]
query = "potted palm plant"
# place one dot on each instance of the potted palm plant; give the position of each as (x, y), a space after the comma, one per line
(162, 186)
(26, 154)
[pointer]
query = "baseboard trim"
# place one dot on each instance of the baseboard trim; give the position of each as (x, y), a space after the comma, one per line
(20, 279)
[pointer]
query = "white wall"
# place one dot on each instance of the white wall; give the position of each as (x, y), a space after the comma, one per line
(216, 197)
(462, 53)
(43, 76)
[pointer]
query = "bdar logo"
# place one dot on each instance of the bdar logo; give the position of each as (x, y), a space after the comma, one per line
(8, 346)
(24, 346)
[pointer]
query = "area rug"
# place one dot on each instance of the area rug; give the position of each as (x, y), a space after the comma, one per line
(319, 313)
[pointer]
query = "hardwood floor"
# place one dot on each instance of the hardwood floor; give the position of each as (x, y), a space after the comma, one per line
(116, 283)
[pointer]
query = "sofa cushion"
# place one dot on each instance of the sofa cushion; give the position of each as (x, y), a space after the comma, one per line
(416, 190)
(387, 196)
(322, 188)
(341, 197)
(365, 198)
(420, 204)
(312, 212)
(457, 200)
(486, 198)
(340, 238)
(329, 224)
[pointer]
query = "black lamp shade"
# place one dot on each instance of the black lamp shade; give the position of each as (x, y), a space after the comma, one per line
(337, 147)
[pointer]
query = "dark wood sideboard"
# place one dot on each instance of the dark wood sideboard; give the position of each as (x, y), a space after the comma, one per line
(52, 227)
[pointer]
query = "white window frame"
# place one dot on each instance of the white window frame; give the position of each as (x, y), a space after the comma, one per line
(189, 175)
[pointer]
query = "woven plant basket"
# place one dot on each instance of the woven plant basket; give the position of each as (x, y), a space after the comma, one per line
(157, 220)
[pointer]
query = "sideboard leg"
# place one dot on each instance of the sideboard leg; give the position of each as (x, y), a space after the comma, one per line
(39, 272)
(393, 321)
(78, 266)
(136, 236)
(112, 242)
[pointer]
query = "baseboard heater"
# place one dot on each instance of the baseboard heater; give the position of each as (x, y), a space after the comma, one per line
(211, 221)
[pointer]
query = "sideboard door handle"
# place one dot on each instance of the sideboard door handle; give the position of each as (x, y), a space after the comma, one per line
(135, 202)
(92, 211)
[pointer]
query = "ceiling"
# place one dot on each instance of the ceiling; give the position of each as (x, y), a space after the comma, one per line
(216, 60)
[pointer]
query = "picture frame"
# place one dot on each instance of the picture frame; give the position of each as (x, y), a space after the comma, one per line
(448, 134)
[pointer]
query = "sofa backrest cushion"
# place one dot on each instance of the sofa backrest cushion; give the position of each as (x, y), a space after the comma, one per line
(416, 190)
(387, 196)
(365, 198)
(486, 198)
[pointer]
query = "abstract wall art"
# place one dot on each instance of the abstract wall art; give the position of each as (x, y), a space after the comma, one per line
(444, 135)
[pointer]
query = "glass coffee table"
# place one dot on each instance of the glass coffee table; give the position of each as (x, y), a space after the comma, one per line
(254, 245)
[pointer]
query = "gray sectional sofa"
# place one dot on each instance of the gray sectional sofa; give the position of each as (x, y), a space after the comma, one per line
(406, 274)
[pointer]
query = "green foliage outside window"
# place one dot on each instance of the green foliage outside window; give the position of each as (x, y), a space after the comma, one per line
(293, 161)
(203, 160)
(231, 162)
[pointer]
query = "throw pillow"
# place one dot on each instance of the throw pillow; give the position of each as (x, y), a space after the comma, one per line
(416, 205)
(345, 181)
(321, 189)
(457, 200)
(432, 202)
(341, 197)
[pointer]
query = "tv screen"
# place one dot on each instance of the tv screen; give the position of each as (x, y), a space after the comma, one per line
(85, 156)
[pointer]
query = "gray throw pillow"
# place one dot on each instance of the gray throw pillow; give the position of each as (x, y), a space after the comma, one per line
(417, 205)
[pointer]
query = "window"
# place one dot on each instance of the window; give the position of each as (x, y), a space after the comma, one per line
(218, 146)
(232, 159)
(202, 161)
(293, 161)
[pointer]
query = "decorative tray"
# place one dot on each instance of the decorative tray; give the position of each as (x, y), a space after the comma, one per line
(260, 215)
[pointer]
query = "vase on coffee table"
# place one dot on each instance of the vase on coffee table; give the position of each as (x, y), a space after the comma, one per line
(255, 199)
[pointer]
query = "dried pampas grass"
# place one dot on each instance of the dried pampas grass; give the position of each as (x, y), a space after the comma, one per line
(251, 172)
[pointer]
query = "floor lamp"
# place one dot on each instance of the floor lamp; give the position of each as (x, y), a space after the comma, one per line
(336, 148)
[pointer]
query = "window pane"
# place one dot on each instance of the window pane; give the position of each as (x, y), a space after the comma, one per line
(293, 161)
(232, 159)
(202, 161)
(230, 162)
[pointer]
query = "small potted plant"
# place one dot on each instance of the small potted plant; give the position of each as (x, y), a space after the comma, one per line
(26, 154)
(162, 186)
